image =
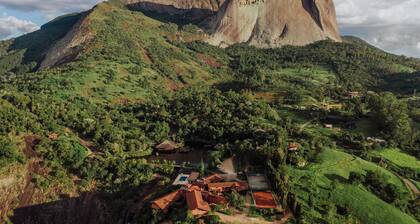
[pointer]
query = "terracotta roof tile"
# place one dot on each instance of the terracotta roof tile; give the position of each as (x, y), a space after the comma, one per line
(164, 202)
(195, 202)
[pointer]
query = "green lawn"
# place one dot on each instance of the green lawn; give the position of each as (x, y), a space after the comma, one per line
(400, 158)
(339, 163)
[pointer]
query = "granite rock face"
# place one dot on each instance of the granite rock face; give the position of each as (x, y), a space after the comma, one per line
(274, 23)
(261, 23)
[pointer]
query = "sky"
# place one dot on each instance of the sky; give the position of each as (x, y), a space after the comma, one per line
(392, 25)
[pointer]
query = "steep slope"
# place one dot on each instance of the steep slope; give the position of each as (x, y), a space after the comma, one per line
(112, 51)
(274, 23)
(68, 47)
(24, 53)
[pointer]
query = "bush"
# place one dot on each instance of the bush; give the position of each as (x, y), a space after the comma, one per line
(212, 219)
(65, 151)
(377, 183)
(356, 178)
(237, 200)
(8, 152)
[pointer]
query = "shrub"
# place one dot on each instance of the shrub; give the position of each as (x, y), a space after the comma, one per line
(8, 152)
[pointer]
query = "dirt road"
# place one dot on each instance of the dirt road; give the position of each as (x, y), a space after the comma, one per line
(411, 186)
(33, 167)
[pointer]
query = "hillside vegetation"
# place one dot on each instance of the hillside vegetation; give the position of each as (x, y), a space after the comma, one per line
(141, 81)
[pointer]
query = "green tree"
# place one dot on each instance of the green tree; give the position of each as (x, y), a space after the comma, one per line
(8, 152)
(391, 116)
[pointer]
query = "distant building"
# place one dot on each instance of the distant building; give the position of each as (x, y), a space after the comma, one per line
(328, 126)
(293, 147)
(167, 147)
(353, 94)
(376, 140)
(336, 106)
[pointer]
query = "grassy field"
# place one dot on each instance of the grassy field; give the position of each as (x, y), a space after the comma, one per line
(333, 169)
(367, 207)
(400, 158)
(337, 163)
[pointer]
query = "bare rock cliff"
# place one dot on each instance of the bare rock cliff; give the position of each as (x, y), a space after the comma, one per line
(274, 23)
(68, 48)
(262, 23)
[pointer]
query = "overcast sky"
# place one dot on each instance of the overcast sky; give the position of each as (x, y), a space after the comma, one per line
(393, 25)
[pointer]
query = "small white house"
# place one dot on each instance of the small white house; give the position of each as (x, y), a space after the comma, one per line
(330, 126)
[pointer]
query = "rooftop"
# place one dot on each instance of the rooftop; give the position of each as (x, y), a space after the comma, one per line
(212, 178)
(167, 146)
(193, 176)
(239, 186)
(164, 202)
(195, 202)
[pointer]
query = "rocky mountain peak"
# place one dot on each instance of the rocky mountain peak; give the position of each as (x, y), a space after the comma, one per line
(262, 23)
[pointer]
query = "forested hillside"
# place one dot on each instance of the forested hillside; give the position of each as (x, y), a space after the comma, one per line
(92, 121)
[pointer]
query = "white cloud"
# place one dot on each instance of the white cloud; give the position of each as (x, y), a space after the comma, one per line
(11, 26)
(393, 25)
(49, 8)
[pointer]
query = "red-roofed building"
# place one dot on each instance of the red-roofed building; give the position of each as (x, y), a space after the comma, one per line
(200, 194)
(166, 201)
(212, 178)
(227, 186)
(196, 204)
(214, 199)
